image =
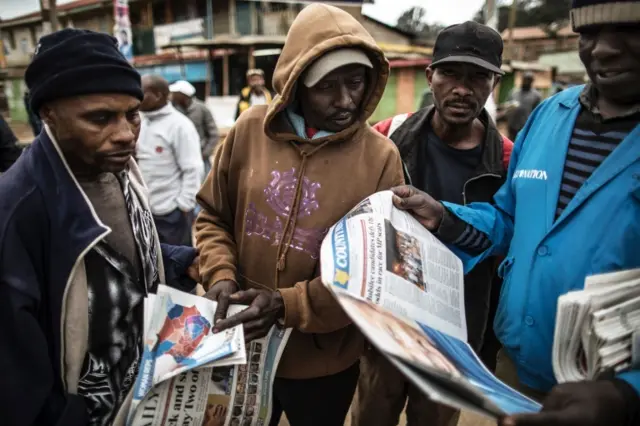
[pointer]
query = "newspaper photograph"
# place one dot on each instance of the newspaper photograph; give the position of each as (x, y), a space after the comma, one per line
(384, 255)
(190, 376)
(404, 289)
(253, 381)
(444, 367)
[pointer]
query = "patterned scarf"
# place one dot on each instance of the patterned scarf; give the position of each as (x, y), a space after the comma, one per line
(142, 226)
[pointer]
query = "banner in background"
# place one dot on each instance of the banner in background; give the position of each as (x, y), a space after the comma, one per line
(122, 28)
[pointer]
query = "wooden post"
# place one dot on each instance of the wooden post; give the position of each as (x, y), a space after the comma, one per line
(232, 17)
(208, 83)
(168, 13)
(49, 16)
(225, 73)
(149, 15)
(512, 23)
(251, 60)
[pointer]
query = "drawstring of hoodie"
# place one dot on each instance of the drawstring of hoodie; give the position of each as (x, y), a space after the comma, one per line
(290, 224)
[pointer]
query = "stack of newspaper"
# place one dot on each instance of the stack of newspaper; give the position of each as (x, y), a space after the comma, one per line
(190, 376)
(404, 289)
(598, 328)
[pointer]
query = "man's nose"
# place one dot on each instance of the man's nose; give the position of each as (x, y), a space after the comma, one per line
(462, 89)
(344, 100)
(125, 133)
(606, 45)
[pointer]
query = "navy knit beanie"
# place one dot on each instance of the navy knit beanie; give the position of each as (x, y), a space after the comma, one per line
(73, 62)
(585, 13)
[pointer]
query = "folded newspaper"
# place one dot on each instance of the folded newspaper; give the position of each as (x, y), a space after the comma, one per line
(598, 328)
(190, 376)
(404, 289)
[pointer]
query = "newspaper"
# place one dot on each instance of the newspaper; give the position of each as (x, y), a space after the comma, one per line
(190, 376)
(598, 328)
(404, 289)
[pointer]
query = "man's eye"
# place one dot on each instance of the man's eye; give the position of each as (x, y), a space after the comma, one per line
(133, 116)
(99, 118)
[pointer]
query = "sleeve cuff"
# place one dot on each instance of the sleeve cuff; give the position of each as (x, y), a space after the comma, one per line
(291, 307)
(222, 274)
(186, 207)
(451, 227)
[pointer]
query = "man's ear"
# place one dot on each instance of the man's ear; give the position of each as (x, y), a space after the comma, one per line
(47, 114)
(496, 80)
(429, 73)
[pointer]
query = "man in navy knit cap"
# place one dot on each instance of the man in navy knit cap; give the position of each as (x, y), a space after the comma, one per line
(78, 248)
(570, 208)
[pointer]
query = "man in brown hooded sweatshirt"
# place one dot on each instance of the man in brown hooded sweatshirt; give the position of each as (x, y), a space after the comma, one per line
(285, 173)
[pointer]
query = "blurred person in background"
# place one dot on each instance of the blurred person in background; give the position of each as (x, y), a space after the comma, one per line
(78, 249)
(453, 150)
(183, 97)
(524, 100)
(285, 174)
(255, 93)
(569, 209)
(9, 149)
(170, 159)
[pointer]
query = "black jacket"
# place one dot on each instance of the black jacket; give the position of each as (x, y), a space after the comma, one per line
(489, 177)
(46, 228)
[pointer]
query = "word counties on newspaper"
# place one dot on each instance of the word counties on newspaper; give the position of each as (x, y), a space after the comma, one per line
(405, 290)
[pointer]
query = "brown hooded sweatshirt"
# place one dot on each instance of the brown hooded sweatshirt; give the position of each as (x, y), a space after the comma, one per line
(264, 172)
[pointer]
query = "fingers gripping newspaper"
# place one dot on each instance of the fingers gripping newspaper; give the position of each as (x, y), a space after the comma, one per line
(190, 376)
(405, 290)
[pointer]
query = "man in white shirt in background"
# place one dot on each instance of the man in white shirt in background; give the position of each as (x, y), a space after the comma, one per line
(169, 156)
(183, 98)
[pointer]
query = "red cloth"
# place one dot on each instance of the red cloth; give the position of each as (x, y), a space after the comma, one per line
(507, 145)
(311, 132)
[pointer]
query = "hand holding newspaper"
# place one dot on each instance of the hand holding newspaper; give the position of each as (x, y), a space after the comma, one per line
(598, 328)
(189, 375)
(404, 289)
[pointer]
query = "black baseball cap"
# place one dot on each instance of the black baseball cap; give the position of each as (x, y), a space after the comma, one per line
(469, 42)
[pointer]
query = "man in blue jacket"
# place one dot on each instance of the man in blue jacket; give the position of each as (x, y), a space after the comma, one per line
(570, 207)
(78, 249)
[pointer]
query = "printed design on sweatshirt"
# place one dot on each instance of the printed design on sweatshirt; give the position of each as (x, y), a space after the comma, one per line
(279, 195)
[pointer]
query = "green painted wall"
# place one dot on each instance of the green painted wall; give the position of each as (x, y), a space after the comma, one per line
(15, 92)
(421, 84)
(506, 86)
(387, 106)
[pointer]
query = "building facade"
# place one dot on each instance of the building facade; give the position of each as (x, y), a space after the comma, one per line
(210, 43)
(528, 43)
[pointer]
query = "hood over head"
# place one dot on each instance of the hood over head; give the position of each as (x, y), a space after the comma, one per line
(317, 30)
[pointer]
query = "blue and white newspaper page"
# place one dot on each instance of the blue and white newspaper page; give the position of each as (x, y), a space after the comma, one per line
(221, 390)
(444, 367)
(405, 290)
(178, 346)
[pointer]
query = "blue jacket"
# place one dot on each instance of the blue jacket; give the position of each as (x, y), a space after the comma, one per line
(46, 228)
(598, 232)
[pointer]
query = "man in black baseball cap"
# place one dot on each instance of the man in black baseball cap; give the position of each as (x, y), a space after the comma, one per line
(444, 147)
(78, 248)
